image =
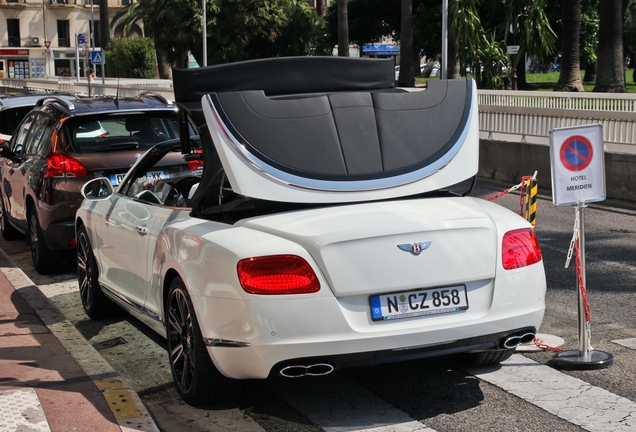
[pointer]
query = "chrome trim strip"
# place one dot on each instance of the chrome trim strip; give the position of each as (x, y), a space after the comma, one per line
(348, 186)
(212, 342)
(137, 307)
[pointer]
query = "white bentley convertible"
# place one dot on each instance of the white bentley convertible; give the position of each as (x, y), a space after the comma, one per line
(321, 222)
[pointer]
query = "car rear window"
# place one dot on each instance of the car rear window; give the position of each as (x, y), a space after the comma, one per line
(119, 132)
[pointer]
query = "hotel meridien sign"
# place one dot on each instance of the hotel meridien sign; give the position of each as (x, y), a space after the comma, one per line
(577, 161)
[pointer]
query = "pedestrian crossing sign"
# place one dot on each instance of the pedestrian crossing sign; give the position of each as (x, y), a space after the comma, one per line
(98, 57)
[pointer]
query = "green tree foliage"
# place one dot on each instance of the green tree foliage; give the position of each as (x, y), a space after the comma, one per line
(131, 58)
(236, 29)
(629, 36)
(249, 29)
(492, 56)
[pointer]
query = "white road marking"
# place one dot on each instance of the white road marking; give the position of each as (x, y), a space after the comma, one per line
(629, 343)
(569, 398)
(337, 404)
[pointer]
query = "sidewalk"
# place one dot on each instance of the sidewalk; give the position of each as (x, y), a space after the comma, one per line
(51, 378)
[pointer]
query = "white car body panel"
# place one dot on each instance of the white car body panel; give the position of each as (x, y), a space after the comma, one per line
(336, 319)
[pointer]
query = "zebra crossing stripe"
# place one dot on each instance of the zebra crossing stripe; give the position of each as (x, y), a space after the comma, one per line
(580, 403)
(337, 404)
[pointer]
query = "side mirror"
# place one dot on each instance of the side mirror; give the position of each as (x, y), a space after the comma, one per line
(5, 150)
(99, 188)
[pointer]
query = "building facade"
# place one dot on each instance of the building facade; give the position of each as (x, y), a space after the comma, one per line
(46, 38)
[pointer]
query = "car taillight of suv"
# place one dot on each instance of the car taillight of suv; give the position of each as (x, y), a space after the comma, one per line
(58, 165)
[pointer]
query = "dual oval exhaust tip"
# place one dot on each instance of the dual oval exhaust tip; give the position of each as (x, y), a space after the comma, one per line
(516, 339)
(297, 371)
(322, 369)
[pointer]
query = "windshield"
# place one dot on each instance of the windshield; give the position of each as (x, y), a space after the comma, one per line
(93, 134)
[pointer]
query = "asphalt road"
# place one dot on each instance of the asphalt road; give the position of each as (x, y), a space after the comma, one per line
(423, 395)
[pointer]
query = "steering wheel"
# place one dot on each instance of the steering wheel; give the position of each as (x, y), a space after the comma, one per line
(176, 193)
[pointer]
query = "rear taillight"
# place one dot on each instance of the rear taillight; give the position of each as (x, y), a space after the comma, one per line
(59, 164)
(277, 274)
(104, 135)
(196, 162)
(520, 248)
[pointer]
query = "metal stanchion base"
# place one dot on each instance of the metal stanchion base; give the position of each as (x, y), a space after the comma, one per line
(574, 361)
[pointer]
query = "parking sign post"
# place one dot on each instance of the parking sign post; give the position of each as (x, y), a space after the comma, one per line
(578, 177)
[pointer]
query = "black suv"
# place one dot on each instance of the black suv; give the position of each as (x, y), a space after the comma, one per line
(59, 146)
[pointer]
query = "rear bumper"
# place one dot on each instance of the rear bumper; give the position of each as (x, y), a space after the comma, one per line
(282, 331)
(478, 343)
(60, 235)
(262, 361)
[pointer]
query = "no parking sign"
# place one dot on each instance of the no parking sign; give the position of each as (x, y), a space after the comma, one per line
(578, 164)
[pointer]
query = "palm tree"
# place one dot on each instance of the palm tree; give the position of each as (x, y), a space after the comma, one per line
(104, 31)
(610, 76)
(466, 31)
(407, 72)
(570, 75)
(629, 31)
(133, 14)
(343, 29)
(531, 31)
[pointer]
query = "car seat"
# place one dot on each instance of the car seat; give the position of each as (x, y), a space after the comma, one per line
(141, 130)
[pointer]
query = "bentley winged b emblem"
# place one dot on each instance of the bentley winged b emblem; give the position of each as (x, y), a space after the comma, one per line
(415, 248)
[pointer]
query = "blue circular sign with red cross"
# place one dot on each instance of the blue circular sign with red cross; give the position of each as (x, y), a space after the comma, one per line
(576, 153)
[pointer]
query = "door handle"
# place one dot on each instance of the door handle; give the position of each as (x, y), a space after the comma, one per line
(142, 229)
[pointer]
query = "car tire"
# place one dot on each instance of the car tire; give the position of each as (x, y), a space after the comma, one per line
(7, 230)
(483, 358)
(44, 260)
(198, 381)
(95, 303)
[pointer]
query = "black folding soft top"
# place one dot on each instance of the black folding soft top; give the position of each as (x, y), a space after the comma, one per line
(321, 122)
(281, 76)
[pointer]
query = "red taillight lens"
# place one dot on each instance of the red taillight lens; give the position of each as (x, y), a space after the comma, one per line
(104, 135)
(520, 248)
(195, 164)
(277, 274)
(58, 164)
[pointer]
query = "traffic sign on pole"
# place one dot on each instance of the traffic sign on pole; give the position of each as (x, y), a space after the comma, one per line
(98, 57)
(512, 49)
(47, 44)
(578, 164)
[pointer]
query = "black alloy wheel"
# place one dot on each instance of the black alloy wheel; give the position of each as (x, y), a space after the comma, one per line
(44, 260)
(95, 303)
(197, 380)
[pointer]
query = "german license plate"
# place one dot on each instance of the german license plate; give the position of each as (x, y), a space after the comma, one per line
(115, 179)
(418, 303)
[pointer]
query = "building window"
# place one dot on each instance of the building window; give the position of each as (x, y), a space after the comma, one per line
(63, 34)
(62, 68)
(13, 29)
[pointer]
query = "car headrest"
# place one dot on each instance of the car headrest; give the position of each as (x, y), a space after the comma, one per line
(134, 124)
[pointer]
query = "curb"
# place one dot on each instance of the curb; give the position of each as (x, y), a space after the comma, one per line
(127, 408)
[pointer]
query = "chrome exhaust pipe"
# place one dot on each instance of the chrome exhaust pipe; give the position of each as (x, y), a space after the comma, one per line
(514, 340)
(297, 371)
